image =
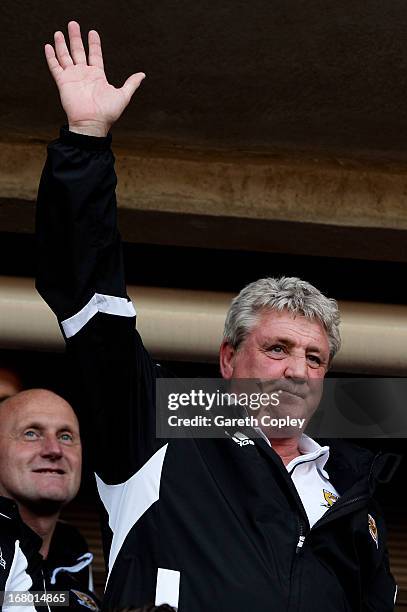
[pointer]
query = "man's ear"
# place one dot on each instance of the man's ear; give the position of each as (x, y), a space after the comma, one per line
(227, 359)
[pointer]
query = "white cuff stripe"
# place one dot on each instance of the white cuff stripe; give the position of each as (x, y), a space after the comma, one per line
(167, 589)
(108, 304)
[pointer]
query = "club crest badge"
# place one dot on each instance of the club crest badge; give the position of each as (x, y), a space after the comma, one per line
(373, 530)
(85, 600)
(330, 498)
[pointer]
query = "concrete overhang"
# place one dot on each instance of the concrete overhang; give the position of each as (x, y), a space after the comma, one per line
(252, 202)
(263, 126)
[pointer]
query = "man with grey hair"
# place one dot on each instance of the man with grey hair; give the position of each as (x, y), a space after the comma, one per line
(291, 294)
(261, 523)
(283, 330)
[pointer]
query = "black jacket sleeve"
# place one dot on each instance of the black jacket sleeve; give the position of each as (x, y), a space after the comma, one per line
(81, 277)
(380, 593)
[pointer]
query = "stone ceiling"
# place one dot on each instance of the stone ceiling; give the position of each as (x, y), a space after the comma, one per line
(300, 76)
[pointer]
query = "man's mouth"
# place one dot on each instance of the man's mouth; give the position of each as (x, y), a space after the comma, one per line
(283, 386)
(299, 394)
(49, 471)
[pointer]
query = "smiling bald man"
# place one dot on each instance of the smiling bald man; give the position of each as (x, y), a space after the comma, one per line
(40, 472)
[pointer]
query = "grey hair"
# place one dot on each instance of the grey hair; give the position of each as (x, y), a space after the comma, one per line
(286, 293)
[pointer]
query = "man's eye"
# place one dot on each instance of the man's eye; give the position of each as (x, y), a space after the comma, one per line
(314, 360)
(277, 349)
(31, 434)
(66, 437)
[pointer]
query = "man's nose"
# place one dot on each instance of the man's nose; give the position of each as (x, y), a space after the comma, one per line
(51, 447)
(297, 368)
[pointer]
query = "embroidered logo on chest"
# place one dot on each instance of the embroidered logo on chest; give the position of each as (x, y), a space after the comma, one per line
(373, 529)
(241, 439)
(85, 600)
(330, 498)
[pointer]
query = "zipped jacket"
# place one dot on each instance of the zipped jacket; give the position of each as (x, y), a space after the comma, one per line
(23, 570)
(201, 524)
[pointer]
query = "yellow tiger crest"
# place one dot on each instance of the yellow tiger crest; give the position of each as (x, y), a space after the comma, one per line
(373, 529)
(85, 600)
(330, 498)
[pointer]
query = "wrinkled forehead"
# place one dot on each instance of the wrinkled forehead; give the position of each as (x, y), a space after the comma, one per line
(275, 323)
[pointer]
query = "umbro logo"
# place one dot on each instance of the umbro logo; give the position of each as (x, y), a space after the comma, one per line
(241, 439)
(2, 560)
(243, 442)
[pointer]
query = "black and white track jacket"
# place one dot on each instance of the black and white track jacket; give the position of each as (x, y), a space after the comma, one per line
(207, 525)
(23, 569)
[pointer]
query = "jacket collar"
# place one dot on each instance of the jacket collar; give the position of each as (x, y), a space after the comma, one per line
(29, 540)
(349, 464)
(8, 508)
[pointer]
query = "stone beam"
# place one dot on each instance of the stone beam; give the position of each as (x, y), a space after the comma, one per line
(265, 203)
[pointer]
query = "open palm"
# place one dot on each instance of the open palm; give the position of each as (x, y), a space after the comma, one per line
(89, 101)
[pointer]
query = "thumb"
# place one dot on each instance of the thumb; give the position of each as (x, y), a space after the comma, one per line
(132, 83)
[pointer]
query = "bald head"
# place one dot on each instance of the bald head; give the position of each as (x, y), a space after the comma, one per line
(34, 401)
(40, 450)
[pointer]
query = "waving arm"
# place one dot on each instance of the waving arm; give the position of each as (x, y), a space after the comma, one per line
(92, 105)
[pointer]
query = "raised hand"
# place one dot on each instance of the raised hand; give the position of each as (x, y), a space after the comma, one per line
(92, 105)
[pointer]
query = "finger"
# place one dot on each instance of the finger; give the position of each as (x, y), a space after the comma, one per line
(132, 83)
(61, 50)
(52, 61)
(75, 43)
(95, 49)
